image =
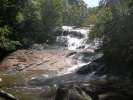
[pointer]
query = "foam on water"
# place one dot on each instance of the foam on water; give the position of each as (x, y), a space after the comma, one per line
(74, 43)
(76, 39)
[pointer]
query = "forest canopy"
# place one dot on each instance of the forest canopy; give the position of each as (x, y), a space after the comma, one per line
(23, 22)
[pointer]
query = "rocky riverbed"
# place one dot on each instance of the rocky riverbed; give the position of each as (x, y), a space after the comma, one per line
(37, 61)
(91, 90)
(68, 70)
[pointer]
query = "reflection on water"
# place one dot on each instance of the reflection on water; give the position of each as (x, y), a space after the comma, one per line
(17, 85)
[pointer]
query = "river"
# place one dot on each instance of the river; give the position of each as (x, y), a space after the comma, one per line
(72, 51)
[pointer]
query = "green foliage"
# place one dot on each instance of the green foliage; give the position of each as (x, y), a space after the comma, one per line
(51, 18)
(102, 16)
(8, 12)
(115, 25)
(75, 13)
(5, 41)
(23, 22)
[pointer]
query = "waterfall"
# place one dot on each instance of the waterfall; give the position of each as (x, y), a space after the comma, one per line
(76, 39)
(80, 53)
(73, 38)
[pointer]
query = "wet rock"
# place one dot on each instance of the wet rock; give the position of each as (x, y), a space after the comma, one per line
(71, 94)
(35, 62)
(62, 94)
(86, 69)
(73, 34)
(39, 47)
(41, 81)
(18, 68)
(70, 54)
(0, 79)
(76, 34)
(81, 47)
(114, 96)
(87, 56)
(79, 95)
(113, 90)
(98, 90)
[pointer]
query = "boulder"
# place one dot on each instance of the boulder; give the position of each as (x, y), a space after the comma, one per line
(62, 94)
(71, 54)
(114, 96)
(72, 94)
(86, 69)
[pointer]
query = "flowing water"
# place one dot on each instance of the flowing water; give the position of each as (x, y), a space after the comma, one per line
(77, 40)
(82, 53)
(73, 38)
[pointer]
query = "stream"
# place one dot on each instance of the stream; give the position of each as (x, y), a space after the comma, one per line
(78, 51)
(82, 54)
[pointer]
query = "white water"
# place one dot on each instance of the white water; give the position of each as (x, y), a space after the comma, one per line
(76, 40)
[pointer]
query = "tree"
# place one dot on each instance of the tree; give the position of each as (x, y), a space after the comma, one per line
(9, 10)
(114, 24)
(24, 22)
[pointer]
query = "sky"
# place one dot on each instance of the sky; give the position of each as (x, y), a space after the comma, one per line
(92, 3)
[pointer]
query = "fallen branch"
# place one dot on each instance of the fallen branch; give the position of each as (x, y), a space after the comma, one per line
(7, 96)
